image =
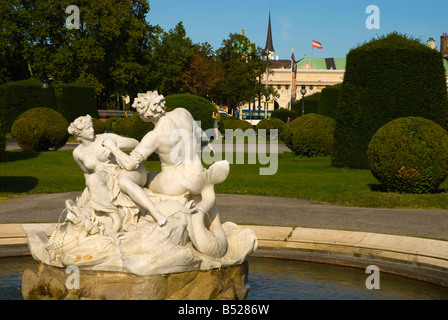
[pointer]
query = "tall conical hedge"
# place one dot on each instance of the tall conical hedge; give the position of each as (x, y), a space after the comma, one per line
(385, 79)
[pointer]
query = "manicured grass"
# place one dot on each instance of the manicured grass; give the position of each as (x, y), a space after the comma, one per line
(305, 178)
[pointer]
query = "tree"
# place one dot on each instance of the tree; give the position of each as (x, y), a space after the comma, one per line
(203, 74)
(167, 59)
(107, 51)
(243, 65)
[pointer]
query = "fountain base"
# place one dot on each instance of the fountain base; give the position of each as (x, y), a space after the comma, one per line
(52, 283)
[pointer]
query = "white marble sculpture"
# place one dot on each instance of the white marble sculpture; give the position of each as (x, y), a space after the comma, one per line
(145, 223)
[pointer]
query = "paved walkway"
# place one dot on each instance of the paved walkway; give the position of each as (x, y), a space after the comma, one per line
(266, 211)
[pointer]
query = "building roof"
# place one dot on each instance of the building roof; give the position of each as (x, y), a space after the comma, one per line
(322, 63)
(279, 64)
(269, 43)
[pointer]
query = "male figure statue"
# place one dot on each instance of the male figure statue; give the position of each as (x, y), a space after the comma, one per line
(175, 138)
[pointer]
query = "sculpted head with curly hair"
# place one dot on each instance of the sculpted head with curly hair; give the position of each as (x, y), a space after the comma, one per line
(150, 106)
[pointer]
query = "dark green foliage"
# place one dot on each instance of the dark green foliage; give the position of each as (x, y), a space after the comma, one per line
(110, 123)
(283, 114)
(140, 128)
(98, 125)
(200, 108)
(77, 100)
(385, 79)
(235, 123)
(40, 129)
(123, 126)
(409, 155)
(271, 123)
(17, 97)
(2, 142)
(311, 104)
(310, 135)
(329, 100)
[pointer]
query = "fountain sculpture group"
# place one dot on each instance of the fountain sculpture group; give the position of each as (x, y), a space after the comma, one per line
(132, 223)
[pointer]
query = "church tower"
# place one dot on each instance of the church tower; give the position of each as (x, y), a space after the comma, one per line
(444, 45)
(269, 43)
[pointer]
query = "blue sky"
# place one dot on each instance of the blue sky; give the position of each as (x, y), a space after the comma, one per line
(338, 25)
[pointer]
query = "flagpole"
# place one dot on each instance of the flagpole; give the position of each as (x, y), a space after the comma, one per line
(312, 55)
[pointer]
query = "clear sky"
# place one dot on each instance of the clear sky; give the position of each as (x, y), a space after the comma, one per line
(338, 24)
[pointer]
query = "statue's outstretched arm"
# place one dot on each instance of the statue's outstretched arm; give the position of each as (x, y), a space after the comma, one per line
(141, 152)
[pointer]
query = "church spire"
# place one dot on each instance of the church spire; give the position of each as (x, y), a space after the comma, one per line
(269, 43)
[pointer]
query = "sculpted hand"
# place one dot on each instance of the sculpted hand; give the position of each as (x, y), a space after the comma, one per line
(110, 143)
(104, 154)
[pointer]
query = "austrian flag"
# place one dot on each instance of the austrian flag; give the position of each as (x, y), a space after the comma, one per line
(317, 45)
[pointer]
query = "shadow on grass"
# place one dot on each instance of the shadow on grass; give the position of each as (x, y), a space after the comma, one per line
(11, 156)
(17, 184)
(377, 187)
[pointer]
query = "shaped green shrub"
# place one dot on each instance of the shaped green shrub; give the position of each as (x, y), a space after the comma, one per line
(2, 142)
(385, 79)
(329, 100)
(98, 125)
(140, 128)
(310, 135)
(409, 155)
(17, 97)
(271, 123)
(77, 100)
(40, 129)
(235, 123)
(283, 114)
(311, 104)
(200, 108)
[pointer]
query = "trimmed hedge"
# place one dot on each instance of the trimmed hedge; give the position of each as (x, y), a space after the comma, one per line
(140, 128)
(329, 100)
(271, 123)
(200, 108)
(310, 135)
(311, 104)
(98, 125)
(40, 129)
(409, 155)
(283, 114)
(385, 79)
(20, 96)
(2, 142)
(77, 100)
(235, 123)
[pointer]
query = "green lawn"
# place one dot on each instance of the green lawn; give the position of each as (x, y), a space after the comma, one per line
(305, 178)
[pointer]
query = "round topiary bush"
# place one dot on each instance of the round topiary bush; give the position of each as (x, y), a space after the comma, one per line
(283, 114)
(310, 135)
(110, 123)
(235, 123)
(40, 129)
(99, 126)
(409, 155)
(200, 108)
(271, 123)
(140, 128)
